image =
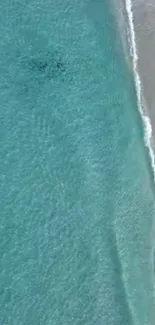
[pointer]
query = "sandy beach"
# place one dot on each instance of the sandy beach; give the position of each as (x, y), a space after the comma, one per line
(144, 21)
(144, 25)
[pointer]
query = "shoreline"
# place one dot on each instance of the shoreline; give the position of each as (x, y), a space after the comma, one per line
(145, 44)
(134, 45)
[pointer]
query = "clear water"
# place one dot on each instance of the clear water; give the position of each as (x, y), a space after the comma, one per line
(77, 198)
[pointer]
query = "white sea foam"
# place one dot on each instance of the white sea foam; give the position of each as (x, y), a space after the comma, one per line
(134, 55)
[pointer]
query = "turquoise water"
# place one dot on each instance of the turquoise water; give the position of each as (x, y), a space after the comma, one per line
(77, 196)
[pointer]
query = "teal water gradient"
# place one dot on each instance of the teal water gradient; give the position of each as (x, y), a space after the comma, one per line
(77, 201)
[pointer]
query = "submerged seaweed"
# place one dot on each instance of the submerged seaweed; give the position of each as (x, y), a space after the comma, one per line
(50, 65)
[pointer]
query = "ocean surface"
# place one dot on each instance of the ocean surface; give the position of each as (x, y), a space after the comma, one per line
(77, 199)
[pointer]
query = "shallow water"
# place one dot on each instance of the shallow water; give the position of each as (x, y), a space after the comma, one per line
(77, 200)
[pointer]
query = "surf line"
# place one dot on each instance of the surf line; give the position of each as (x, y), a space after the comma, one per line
(134, 56)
